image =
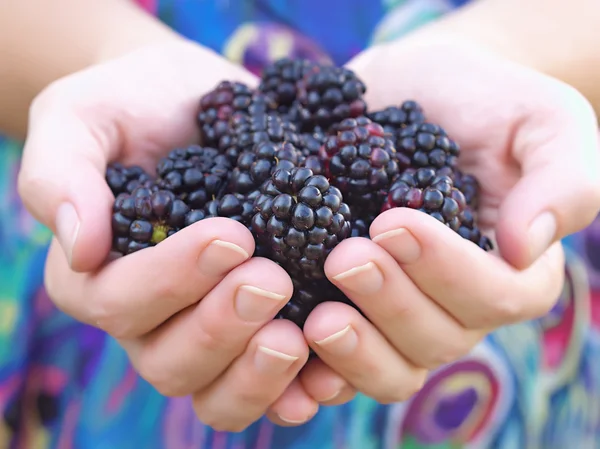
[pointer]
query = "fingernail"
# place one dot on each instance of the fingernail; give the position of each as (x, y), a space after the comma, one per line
(272, 362)
(256, 304)
(401, 244)
(364, 279)
(341, 343)
(67, 228)
(294, 421)
(541, 234)
(330, 398)
(219, 257)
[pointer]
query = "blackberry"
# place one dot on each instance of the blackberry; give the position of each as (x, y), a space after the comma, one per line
(236, 206)
(279, 80)
(314, 163)
(311, 142)
(328, 94)
(249, 129)
(310, 146)
(145, 217)
(395, 118)
(217, 107)
(360, 227)
(255, 167)
(308, 295)
(301, 217)
(435, 194)
(467, 184)
(123, 179)
(360, 161)
(195, 174)
(425, 145)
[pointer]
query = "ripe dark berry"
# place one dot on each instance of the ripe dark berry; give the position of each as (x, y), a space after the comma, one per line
(360, 161)
(217, 107)
(301, 217)
(232, 205)
(435, 195)
(425, 145)
(195, 174)
(328, 94)
(308, 295)
(466, 183)
(145, 218)
(279, 80)
(311, 142)
(256, 166)
(395, 118)
(248, 130)
(123, 179)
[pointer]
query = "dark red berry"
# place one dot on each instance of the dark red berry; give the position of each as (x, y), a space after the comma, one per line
(217, 107)
(301, 218)
(426, 190)
(195, 174)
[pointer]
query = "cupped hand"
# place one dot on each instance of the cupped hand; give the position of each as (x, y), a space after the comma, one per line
(427, 294)
(195, 312)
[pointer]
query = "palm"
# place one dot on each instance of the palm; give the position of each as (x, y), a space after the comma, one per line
(483, 103)
(154, 97)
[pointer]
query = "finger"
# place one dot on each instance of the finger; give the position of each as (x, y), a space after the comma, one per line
(355, 349)
(324, 385)
(479, 289)
(255, 380)
(194, 347)
(132, 295)
(62, 184)
(412, 322)
(559, 191)
(294, 407)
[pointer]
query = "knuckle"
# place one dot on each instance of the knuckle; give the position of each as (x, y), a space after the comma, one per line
(107, 314)
(159, 375)
(506, 310)
(449, 352)
(212, 337)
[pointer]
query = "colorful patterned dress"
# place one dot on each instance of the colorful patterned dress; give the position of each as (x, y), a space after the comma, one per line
(68, 386)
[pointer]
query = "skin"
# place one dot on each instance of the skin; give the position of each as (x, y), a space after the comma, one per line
(203, 298)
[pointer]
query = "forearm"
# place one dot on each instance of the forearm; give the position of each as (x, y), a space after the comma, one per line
(557, 37)
(41, 41)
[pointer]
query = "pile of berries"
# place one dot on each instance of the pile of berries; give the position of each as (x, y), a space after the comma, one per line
(303, 164)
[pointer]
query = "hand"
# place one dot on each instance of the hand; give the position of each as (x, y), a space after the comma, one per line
(195, 312)
(430, 295)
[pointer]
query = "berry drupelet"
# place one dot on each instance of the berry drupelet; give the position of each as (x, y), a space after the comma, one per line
(232, 205)
(425, 145)
(310, 145)
(254, 167)
(195, 174)
(360, 160)
(145, 217)
(217, 107)
(279, 80)
(435, 194)
(123, 179)
(395, 118)
(301, 217)
(328, 94)
(250, 129)
(308, 295)
(466, 183)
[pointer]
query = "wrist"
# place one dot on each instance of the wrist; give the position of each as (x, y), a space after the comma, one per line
(526, 32)
(134, 29)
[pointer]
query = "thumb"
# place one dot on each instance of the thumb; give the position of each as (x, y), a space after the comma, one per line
(61, 182)
(559, 190)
